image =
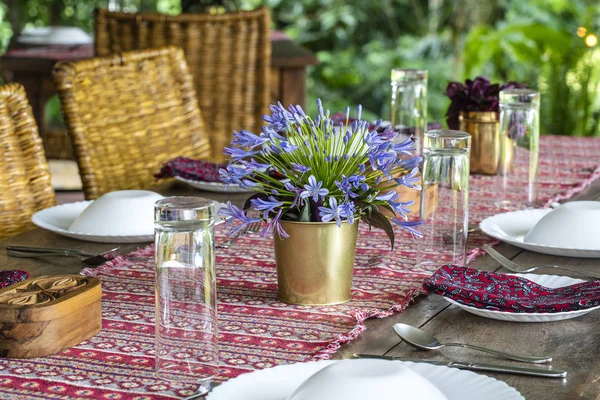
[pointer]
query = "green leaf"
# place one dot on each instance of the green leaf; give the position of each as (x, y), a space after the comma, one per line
(305, 213)
(378, 220)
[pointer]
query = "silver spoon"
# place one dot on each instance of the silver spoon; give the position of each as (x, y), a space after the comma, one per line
(204, 389)
(422, 340)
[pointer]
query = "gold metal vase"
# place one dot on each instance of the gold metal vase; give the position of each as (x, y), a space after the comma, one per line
(485, 140)
(315, 264)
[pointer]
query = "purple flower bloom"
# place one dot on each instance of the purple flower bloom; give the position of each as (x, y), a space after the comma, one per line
(346, 187)
(331, 212)
(247, 139)
(409, 226)
(280, 118)
(267, 206)
(238, 154)
(406, 147)
(400, 207)
(347, 211)
(287, 147)
(300, 168)
(273, 225)
(313, 188)
(391, 195)
(231, 212)
(270, 134)
(410, 180)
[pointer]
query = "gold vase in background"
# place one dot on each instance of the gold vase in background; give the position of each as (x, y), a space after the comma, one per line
(315, 264)
(485, 140)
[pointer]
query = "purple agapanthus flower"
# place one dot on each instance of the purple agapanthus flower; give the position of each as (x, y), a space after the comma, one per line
(410, 180)
(279, 118)
(409, 226)
(268, 206)
(247, 139)
(405, 147)
(275, 224)
(347, 210)
(237, 154)
(287, 147)
(331, 213)
(389, 196)
(232, 212)
(300, 168)
(314, 189)
(400, 207)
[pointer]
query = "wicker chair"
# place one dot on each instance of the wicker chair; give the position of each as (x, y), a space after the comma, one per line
(229, 57)
(24, 176)
(127, 115)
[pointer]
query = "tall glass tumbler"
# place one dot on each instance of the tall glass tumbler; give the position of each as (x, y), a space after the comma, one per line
(186, 297)
(445, 210)
(409, 104)
(519, 148)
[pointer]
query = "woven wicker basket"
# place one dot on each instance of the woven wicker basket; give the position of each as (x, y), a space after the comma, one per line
(127, 115)
(24, 176)
(229, 57)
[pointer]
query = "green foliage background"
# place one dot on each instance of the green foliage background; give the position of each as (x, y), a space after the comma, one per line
(358, 42)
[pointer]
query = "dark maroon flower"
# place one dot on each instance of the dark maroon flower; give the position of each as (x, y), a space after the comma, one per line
(474, 95)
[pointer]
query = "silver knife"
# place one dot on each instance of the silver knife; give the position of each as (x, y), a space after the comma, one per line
(506, 369)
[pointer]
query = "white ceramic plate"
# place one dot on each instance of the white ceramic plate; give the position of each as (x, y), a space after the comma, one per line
(278, 383)
(214, 186)
(511, 227)
(57, 219)
(550, 281)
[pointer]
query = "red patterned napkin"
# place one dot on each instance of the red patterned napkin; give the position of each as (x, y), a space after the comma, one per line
(12, 276)
(508, 293)
(188, 168)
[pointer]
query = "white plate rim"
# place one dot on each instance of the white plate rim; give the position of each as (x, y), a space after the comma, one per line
(528, 316)
(218, 187)
(487, 227)
(499, 389)
(41, 220)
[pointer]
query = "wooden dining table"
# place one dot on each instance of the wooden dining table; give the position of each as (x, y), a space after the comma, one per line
(574, 344)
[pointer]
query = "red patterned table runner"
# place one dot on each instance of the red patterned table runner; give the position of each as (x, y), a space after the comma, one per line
(257, 330)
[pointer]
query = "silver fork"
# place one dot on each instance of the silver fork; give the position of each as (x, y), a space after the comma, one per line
(250, 228)
(508, 264)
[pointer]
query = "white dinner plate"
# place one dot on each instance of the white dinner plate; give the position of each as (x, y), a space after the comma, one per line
(214, 186)
(511, 227)
(278, 383)
(58, 219)
(549, 281)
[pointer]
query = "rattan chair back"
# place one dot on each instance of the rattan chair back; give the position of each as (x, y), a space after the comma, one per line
(229, 56)
(127, 115)
(24, 175)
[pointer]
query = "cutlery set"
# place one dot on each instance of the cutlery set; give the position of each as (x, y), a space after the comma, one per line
(422, 340)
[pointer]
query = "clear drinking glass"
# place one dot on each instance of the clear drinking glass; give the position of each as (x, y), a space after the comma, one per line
(186, 297)
(519, 148)
(409, 103)
(445, 207)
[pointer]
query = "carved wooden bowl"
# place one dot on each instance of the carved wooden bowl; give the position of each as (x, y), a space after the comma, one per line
(44, 315)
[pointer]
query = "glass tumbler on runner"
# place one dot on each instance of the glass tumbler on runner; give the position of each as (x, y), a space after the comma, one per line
(185, 290)
(519, 149)
(409, 104)
(445, 210)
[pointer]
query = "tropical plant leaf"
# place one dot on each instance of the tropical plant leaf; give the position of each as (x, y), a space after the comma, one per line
(378, 220)
(305, 213)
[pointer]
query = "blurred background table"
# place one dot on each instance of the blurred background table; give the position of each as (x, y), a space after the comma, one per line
(32, 67)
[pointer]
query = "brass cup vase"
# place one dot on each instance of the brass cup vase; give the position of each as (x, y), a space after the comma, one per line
(485, 140)
(315, 264)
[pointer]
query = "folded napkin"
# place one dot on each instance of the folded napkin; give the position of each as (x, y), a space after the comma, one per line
(188, 168)
(500, 292)
(12, 276)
